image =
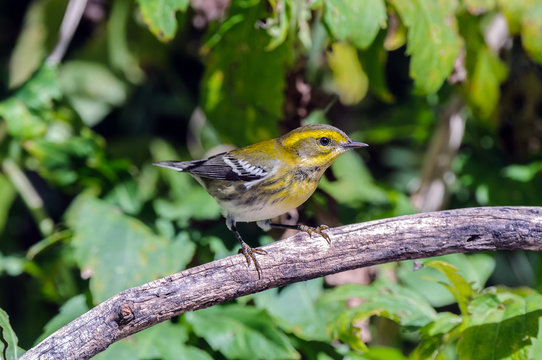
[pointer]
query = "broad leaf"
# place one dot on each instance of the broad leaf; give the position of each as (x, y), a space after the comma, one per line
(92, 89)
(165, 341)
(457, 285)
(531, 31)
(433, 41)
(391, 301)
(241, 333)
(349, 79)
(501, 326)
(27, 112)
(118, 252)
(160, 16)
(475, 268)
(243, 86)
(8, 339)
(295, 309)
(355, 21)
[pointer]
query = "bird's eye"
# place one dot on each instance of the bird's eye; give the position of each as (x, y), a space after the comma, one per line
(324, 141)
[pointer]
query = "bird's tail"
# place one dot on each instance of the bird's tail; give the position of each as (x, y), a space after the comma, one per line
(178, 165)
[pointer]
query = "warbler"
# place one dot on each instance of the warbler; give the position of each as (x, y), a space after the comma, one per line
(264, 180)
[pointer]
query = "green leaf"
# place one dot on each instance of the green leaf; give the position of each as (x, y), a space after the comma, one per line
(27, 111)
(165, 341)
(531, 31)
(72, 158)
(501, 326)
(350, 171)
(355, 21)
(295, 310)
(536, 349)
(523, 173)
(92, 89)
(483, 84)
(21, 122)
(374, 60)
(433, 41)
(477, 7)
(377, 353)
(159, 15)
(457, 285)
(475, 268)
(241, 333)
(30, 49)
(8, 338)
(69, 311)
(12, 265)
(388, 300)
(444, 323)
(349, 79)
(243, 85)
(41, 89)
(118, 252)
(8, 195)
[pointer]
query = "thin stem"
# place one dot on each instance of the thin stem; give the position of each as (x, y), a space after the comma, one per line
(29, 195)
(70, 22)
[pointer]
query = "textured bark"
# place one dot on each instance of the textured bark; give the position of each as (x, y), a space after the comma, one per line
(295, 259)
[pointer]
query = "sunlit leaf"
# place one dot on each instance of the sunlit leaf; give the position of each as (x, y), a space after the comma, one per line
(483, 84)
(8, 338)
(523, 173)
(241, 332)
(160, 16)
(501, 326)
(26, 112)
(475, 268)
(433, 41)
(355, 21)
(457, 285)
(388, 300)
(531, 31)
(349, 79)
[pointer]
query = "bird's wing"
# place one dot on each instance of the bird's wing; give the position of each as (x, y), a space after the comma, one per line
(223, 166)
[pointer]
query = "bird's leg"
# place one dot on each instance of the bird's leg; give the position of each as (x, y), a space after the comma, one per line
(247, 250)
(308, 229)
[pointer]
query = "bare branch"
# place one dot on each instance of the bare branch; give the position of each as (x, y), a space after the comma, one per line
(295, 259)
(70, 22)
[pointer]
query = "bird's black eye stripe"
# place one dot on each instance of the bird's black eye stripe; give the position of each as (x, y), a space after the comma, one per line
(324, 141)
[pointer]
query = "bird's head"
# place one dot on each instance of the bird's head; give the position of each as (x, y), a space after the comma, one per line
(317, 145)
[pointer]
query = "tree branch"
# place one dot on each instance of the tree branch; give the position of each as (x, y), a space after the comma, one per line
(295, 259)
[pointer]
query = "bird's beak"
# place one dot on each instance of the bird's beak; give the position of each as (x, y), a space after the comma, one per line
(354, 145)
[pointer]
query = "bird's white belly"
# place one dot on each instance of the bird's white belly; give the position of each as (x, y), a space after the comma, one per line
(263, 209)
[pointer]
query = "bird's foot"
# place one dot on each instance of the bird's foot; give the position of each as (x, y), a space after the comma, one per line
(316, 230)
(249, 256)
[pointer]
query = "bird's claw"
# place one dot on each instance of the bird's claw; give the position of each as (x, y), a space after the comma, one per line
(249, 252)
(318, 230)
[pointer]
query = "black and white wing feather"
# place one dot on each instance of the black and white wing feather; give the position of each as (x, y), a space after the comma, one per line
(222, 167)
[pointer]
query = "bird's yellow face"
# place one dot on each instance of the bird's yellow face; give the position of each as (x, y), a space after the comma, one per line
(317, 145)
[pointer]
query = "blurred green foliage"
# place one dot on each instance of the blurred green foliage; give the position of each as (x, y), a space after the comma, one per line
(84, 214)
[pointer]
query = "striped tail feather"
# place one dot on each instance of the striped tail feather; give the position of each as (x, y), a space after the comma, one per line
(178, 165)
